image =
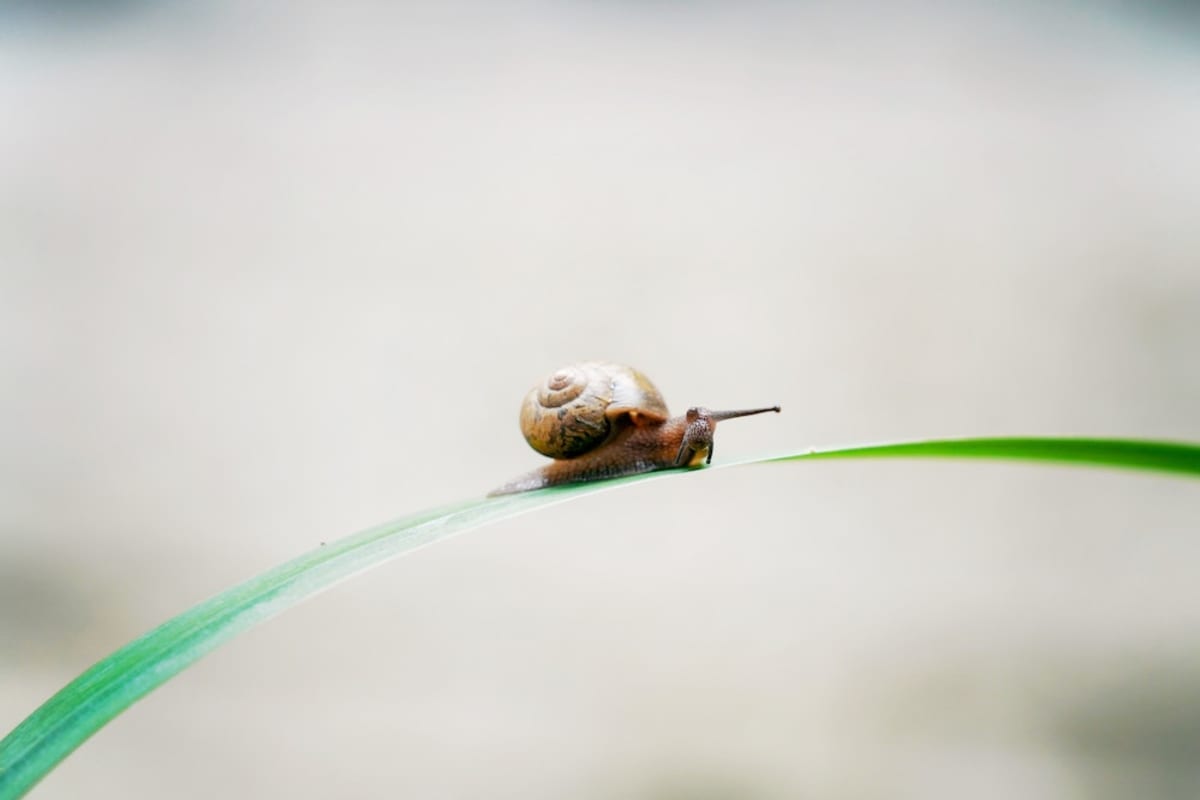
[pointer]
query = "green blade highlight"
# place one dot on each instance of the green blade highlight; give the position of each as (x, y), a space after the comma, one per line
(86, 704)
(1179, 457)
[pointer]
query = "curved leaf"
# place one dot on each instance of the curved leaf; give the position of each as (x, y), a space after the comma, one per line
(113, 684)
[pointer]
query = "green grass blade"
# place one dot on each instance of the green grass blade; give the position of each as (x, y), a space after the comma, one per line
(86, 704)
(1126, 453)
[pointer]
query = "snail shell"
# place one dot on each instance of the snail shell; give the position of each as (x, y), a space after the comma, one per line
(583, 405)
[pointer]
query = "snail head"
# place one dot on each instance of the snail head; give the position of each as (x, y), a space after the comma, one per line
(698, 433)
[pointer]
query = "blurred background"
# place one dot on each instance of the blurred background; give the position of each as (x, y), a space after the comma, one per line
(271, 273)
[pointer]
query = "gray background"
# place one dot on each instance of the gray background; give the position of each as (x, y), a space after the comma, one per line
(275, 272)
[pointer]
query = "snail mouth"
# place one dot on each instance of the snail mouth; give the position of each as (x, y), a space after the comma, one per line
(697, 444)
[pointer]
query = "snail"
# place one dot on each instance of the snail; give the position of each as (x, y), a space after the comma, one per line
(601, 420)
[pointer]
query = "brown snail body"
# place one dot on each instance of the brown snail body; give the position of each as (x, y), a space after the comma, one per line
(602, 420)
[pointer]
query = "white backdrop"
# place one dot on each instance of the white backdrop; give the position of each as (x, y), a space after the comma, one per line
(276, 272)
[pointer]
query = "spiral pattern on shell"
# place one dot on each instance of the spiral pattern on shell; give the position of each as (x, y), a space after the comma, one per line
(578, 407)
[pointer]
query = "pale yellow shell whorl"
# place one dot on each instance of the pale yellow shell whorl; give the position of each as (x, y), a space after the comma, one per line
(581, 405)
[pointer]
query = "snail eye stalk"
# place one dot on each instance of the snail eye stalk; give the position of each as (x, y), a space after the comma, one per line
(717, 416)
